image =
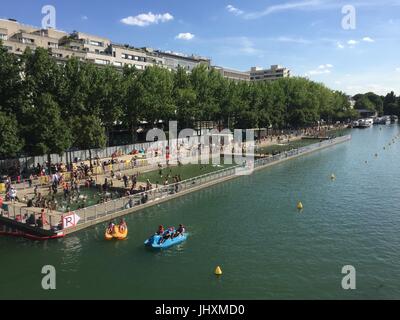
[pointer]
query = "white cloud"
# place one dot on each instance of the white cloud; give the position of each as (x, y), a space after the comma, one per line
(146, 19)
(322, 69)
(85, 18)
(185, 36)
(234, 10)
(368, 39)
(352, 42)
(398, 69)
(293, 40)
(340, 45)
(284, 7)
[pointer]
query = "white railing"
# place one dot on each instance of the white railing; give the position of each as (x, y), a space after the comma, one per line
(133, 201)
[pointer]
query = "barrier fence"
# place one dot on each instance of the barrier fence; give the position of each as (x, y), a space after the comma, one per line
(108, 208)
(92, 213)
(127, 165)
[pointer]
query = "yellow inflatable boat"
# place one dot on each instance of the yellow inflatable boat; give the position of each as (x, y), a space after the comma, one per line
(120, 233)
(108, 235)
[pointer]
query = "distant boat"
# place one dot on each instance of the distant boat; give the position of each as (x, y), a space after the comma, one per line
(382, 120)
(365, 123)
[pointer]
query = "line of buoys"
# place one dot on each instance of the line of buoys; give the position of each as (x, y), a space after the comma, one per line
(218, 271)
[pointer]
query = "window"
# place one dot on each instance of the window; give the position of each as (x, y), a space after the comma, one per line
(27, 40)
(53, 45)
(96, 43)
(101, 61)
(3, 36)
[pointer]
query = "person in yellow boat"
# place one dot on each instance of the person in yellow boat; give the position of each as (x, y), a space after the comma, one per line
(110, 228)
(122, 226)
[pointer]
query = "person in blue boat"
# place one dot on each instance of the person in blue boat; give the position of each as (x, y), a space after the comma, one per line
(181, 230)
(160, 230)
(168, 234)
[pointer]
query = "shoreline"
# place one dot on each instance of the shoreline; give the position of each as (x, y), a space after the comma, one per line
(88, 219)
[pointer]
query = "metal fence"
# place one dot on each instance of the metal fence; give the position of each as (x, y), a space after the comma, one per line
(185, 155)
(108, 208)
(139, 199)
(29, 162)
(133, 201)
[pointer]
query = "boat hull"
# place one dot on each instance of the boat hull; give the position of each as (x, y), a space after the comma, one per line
(154, 241)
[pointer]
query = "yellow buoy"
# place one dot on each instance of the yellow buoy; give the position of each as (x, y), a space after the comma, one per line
(218, 271)
(300, 206)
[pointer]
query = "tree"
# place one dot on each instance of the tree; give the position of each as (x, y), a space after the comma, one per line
(47, 132)
(132, 113)
(363, 103)
(10, 142)
(389, 104)
(90, 134)
(184, 99)
(12, 88)
(376, 101)
(154, 95)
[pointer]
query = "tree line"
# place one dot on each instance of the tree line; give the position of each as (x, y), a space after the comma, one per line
(47, 107)
(383, 105)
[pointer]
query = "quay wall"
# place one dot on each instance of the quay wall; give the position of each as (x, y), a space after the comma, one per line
(91, 216)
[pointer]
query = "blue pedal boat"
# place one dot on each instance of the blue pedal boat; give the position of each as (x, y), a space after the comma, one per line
(155, 241)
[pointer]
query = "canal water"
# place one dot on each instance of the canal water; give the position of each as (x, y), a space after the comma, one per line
(251, 228)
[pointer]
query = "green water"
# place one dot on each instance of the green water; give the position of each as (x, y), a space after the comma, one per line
(249, 226)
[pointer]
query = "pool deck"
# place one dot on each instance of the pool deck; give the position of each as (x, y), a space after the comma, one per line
(55, 217)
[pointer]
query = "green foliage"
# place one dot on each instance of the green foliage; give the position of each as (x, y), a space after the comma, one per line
(369, 101)
(47, 133)
(47, 107)
(10, 141)
(89, 132)
(391, 104)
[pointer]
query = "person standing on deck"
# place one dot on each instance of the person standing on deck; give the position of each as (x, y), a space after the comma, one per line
(125, 178)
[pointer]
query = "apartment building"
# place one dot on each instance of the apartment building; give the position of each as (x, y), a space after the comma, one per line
(274, 73)
(174, 60)
(234, 75)
(17, 37)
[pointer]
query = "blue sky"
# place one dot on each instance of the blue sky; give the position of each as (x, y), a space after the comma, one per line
(305, 35)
